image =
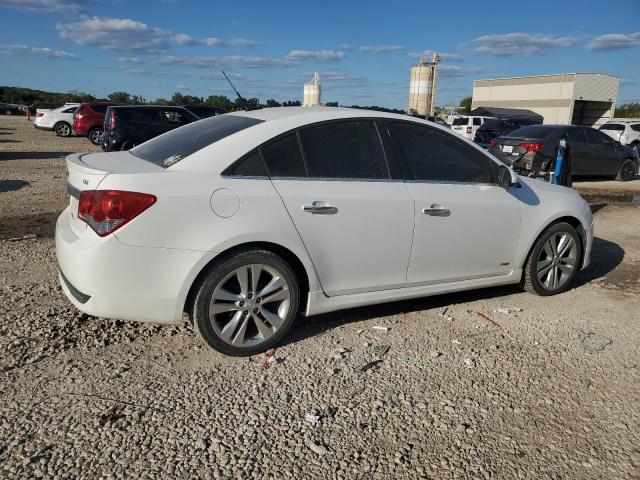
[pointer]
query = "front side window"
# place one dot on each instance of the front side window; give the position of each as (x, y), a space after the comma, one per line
(612, 126)
(576, 135)
(437, 156)
(636, 127)
(350, 149)
(284, 158)
(172, 147)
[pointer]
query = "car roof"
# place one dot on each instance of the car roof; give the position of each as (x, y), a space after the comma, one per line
(277, 113)
(144, 107)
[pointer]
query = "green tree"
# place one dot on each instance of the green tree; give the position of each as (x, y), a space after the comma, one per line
(628, 110)
(119, 97)
(219, 101)
(465, 106)
(273, 103)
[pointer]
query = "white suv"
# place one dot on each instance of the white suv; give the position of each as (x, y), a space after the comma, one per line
(625, 132)
(58, 119)
(467, 126)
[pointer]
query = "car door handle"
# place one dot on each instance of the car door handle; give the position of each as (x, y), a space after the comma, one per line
(320, 208)
(437, 211)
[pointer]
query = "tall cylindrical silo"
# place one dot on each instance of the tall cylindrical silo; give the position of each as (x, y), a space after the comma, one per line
(422, 87)
(312, 92)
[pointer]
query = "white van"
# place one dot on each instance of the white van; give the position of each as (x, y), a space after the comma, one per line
(467, 126)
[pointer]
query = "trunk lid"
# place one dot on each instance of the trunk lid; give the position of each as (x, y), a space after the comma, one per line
(87, 170)
(509, 149)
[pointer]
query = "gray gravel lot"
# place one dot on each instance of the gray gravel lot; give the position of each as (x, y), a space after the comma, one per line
(549, 390)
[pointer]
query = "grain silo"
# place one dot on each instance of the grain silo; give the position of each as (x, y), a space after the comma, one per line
(422, 87)
(312, 91)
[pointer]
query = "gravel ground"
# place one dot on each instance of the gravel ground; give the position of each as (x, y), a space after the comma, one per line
(549, 390)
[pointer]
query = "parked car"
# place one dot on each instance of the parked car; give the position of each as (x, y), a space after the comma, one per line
(437, 120)
(467, 126)
(238, 220)
(496, 127)
(204, 111)
(34, 107)
(88, 120)
(128, 126)
(626, 132)
(9, 109)
(592, 152)
(59, 119)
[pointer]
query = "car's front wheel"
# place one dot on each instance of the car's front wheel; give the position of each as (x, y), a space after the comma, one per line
(63, 129)
(246, 303)
(554, 261)
(627, 170)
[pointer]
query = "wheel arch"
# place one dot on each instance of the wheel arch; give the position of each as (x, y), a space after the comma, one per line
(571, 220)
(291, 258)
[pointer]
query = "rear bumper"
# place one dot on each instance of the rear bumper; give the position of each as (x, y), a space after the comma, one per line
(39, 127)
(105, 278)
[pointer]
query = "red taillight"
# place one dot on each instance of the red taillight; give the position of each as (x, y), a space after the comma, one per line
(532, 147)
(112, 121)
(107, 210)
(493, 143)
(39, 114)
(469, 130)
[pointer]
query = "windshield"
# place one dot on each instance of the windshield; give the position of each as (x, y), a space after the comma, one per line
(460, 121)
(172, 147)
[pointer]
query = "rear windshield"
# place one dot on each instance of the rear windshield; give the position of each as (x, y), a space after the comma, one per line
(459, 121)
(493, 123)
(612, 126)
(533, 131)
(172, 147)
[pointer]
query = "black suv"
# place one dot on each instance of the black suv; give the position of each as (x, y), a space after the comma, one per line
(128, 126)
(204, 111)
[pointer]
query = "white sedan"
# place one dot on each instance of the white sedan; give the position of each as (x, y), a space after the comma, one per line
(58, 119)
(246, 219)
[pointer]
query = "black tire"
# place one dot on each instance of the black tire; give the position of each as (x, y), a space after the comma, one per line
(215, 277)
(126, 145)
(627, 170)
(530, 278)
(95, 136)
(62, 129)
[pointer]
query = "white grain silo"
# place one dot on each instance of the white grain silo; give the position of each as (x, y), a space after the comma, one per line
(422, 87)
(312, 91)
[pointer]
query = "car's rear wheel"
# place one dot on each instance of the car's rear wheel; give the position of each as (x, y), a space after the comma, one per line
(246, 302)
(95, 135)
(127, 145)
(62, 129)
(627, 170)
(554, 261)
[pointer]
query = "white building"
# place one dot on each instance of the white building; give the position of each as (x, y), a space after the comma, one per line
(567, 98)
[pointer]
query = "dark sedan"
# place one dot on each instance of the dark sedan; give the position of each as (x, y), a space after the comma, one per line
(592, 152)
(493, 128)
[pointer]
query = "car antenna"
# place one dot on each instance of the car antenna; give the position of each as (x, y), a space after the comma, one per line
(242, 101)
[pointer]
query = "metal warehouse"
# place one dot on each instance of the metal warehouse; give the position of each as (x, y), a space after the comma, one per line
(566, 98)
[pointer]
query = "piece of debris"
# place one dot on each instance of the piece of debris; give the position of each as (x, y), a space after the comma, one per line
(311, 418)
(484, 317)
(370, 366)
(340, 354)
(269, 358)
(420, 363)
(316, 448)
(24, 237)
(592, 344)
(456, 342)
(469, 363)
(381, 350)
(434, 354)
(507, 311)
(112, 415)
(444, 314)
(382, 328)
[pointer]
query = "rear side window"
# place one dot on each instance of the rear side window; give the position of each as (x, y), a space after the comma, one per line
(636, 127)
(344, 150)
(597, 138)
(437, 156)
(99, 108)
(460, 121)
(612, 126)
(576, 135)
(70, 110)
(477, 121)
(251, 165)
(172, 147)
(139, 117)
(176, 117)
(284, 158)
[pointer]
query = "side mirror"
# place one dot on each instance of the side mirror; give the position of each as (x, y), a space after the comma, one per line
(506, 177)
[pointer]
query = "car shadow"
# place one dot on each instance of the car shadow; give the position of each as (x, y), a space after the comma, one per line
(10, 141)
(32, 155)
(605, 256)
(12, 185)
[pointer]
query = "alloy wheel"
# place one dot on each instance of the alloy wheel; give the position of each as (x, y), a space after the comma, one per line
(63, 130)
(557, 260)
(628, 170)
(95, 136)
(249, 305)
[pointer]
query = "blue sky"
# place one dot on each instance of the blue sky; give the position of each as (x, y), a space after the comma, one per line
(363, 49)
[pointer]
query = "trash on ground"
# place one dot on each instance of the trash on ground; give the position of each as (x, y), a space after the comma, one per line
(456, 342)
(269, 358)
(316, 447)
(311, 418)
(507, 311)
(469, 363)
(434, 354)
(381, 350)
(370, 366)
(443, 313)
(484, 317)
(382, 328)
(420, 363)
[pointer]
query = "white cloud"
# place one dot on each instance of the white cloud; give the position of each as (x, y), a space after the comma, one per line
(15, 49)
(381, 48)
(133, 60)
(241, 42)
(229, 61)
(444, 56)
(184, 39)
(512, 44)
(346, 46)
(47, 5)
(321, 55)
(115, 34)
(614, 41)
